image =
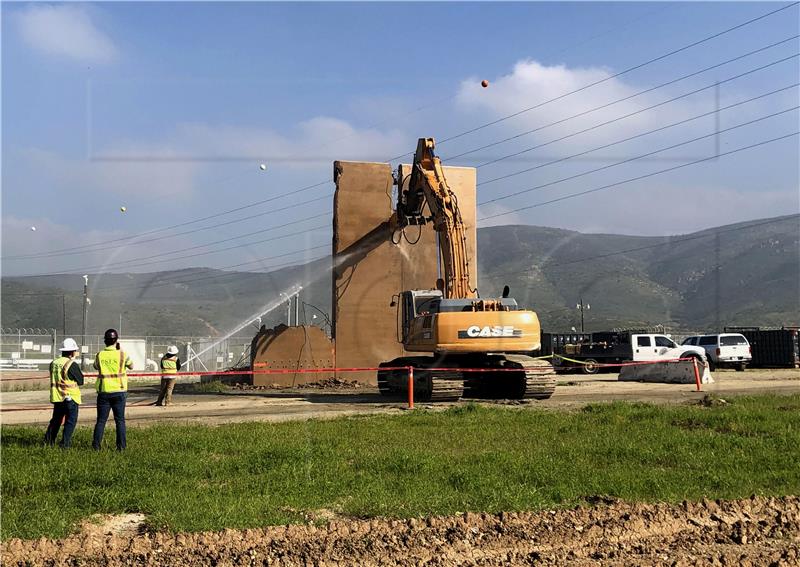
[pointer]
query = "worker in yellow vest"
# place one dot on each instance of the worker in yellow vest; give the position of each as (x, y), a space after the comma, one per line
(112, 366)
(65, 394)
(170, 365)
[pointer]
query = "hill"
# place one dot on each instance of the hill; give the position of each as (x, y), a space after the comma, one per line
(743, 274)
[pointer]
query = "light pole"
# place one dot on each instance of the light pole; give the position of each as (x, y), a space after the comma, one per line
(297, 306)
(85, 309)
(288, 308)
(583, 307)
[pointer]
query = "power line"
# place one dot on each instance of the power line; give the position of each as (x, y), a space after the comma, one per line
(451, 97)
(662, 85)
(133, 265)
(182, 250)
(722, 109)
(619, 74)
(257, 215)
(645, 176)
(86, 251)
(635, 158)
(151, 261)
(50, 254)
(507, 117)
(215, 215)
(132, 261)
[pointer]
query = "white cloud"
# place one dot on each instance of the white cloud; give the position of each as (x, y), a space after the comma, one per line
(531, 83)
(65, 30)
(319, 140)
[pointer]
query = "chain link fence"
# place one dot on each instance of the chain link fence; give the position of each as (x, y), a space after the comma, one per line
(27, 349)
(33, 349)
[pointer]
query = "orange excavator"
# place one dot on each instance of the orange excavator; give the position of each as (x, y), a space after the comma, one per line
(476, 347)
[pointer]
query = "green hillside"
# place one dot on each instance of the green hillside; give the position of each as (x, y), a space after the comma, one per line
(627, 280)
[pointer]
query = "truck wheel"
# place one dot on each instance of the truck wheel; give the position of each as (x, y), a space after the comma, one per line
(590, 366)
(690, 355)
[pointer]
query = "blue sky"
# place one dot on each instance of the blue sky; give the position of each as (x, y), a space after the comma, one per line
(169, 108)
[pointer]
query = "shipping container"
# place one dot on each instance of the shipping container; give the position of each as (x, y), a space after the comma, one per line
(771, 348)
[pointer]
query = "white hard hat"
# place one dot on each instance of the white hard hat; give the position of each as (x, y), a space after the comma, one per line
(69, 345)
(172, 349)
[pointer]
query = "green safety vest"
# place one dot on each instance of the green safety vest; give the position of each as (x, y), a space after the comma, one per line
(111, 365)
(169, 365)
(60, 384)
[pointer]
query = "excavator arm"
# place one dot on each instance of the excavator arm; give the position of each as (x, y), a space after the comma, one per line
(427, 185)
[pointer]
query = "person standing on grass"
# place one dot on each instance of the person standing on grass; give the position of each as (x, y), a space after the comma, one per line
(170, 366)
(111, 364)
(65, 394)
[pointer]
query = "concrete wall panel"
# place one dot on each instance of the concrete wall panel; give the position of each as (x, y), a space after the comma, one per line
(291, 348)
(371, 265)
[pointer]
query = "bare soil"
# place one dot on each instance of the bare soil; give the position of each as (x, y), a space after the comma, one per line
(755, 531)
(342, 397)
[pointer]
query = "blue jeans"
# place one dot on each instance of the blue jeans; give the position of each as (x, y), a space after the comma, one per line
(110, 402)
(68, 412)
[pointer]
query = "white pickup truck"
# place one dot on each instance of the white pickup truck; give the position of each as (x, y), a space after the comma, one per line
(620, 347)
(726, 349)
(661, 347)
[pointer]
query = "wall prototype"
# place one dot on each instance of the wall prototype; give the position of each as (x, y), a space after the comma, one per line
(369, 269)
(291, 348)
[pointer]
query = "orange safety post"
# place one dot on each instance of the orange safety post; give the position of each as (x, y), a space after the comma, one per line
(410, 387)
(696, 373)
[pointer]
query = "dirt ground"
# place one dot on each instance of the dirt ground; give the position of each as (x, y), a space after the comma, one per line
(755, 531)
(32, 407)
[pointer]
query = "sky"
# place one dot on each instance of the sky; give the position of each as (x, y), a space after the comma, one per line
(169, 109)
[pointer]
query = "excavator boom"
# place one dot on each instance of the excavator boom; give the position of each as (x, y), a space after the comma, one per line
(427, 185)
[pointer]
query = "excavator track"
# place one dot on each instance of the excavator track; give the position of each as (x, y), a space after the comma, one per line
(540, 376)
(535, 381)
(430, 384)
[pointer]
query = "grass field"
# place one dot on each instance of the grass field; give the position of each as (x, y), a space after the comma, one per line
(466, 458)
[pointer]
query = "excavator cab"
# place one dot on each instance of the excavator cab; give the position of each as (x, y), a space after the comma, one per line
(416, 303)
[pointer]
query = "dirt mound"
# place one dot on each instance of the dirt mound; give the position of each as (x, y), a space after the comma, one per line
(755, 531)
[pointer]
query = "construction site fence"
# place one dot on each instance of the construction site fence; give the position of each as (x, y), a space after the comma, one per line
(33, 349)
(408, 369)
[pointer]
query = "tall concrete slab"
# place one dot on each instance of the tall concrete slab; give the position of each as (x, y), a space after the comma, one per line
(372, 265)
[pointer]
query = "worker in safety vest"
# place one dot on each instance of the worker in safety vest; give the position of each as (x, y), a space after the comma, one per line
(65, 394)
(170, 365)
(112, 366)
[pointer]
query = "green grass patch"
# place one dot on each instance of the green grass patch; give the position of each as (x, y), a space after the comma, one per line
(470, 457)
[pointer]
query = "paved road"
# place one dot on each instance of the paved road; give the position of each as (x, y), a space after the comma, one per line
(31, 407)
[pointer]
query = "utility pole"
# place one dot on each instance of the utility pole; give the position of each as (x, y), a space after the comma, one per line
(64, 314)
(583, 307)
(85, 309)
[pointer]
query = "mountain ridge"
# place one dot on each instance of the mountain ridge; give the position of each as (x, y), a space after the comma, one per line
(744, 273)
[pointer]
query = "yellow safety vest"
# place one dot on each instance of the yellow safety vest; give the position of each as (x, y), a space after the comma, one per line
(169, 365)
(111, 365)
(60, 384)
